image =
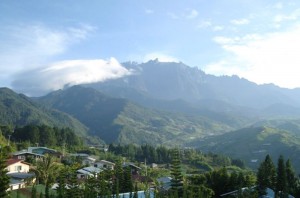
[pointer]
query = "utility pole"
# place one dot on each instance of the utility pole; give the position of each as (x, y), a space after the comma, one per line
(8, 143)
(146, 167)
(64, 146)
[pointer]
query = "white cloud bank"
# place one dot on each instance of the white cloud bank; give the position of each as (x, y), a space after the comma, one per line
(269, 58)
(27, 47)
(56, 76)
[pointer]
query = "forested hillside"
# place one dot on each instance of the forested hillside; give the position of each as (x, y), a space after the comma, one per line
(119, 120)
(253, 144)
(19, 110)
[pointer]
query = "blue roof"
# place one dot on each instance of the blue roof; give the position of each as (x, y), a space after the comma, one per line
(21, 175)
(89, 170)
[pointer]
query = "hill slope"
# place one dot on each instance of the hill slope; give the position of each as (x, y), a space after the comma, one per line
(19, 110)
(118, 120)
(253, 144)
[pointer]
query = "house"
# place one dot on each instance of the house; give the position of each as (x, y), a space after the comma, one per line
(36, 153)
(25, 155)
(153, 165)
(103, 164)
(87, 172)
(88, 161)
(83, 158)
(44, 151)
(17, 165)
(135, 170)
(164, 183)
(18, 172)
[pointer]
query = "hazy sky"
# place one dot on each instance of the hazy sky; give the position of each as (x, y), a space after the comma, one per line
(45, 45)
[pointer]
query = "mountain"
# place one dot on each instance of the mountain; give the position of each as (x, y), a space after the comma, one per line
(119, 120)
(19, 110)
(156, 83)
(252, 144)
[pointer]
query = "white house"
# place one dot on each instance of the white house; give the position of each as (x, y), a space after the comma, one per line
(103, 164)
(17, 165)
(18, 172)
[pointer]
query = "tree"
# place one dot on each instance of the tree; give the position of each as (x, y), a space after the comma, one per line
(61, 189)
(177, 179)
(73, 191)
(47, 171)
(128, 186)
(281, 184)
(33, 192)
(4, 179)
(266, 175)
(119, 178)
(291, 178)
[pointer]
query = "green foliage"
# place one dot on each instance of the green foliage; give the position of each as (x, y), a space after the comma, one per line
(254, 143)
(266, 175)
(47, 136)
(284, 180)
(61, 189)
(73, 190)
(4, 179)
(281, 182)
(177, 178)
(19, 110)
(291, 178)
(47, 171)
(118, 120)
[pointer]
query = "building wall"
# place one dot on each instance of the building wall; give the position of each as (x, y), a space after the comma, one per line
(18, 167)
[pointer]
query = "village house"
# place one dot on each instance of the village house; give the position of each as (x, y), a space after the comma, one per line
(135, 170)
(103, 164)
(44, 151)
(25, 155)
(18, 172)
(87, 172)
(36, 153)
(89, 161)
(164, 183)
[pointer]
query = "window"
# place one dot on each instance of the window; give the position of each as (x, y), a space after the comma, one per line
(18, 168)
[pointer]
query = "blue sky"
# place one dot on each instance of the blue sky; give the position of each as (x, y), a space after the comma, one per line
(45, 45)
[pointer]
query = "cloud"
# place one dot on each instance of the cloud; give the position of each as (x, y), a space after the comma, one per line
(239, 21)
(278, 5)
(149, 11)
(287, 17)
(272, 57)
(173, 15)
(218, 28)
(191, 14)
(204, 24)
(67, 73)
(26, 47)
(186, 14)
(160, 56)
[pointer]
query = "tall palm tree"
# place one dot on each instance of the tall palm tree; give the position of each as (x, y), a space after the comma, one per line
(47, 170)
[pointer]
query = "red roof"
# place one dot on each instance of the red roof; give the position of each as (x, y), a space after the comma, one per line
(12, 161)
